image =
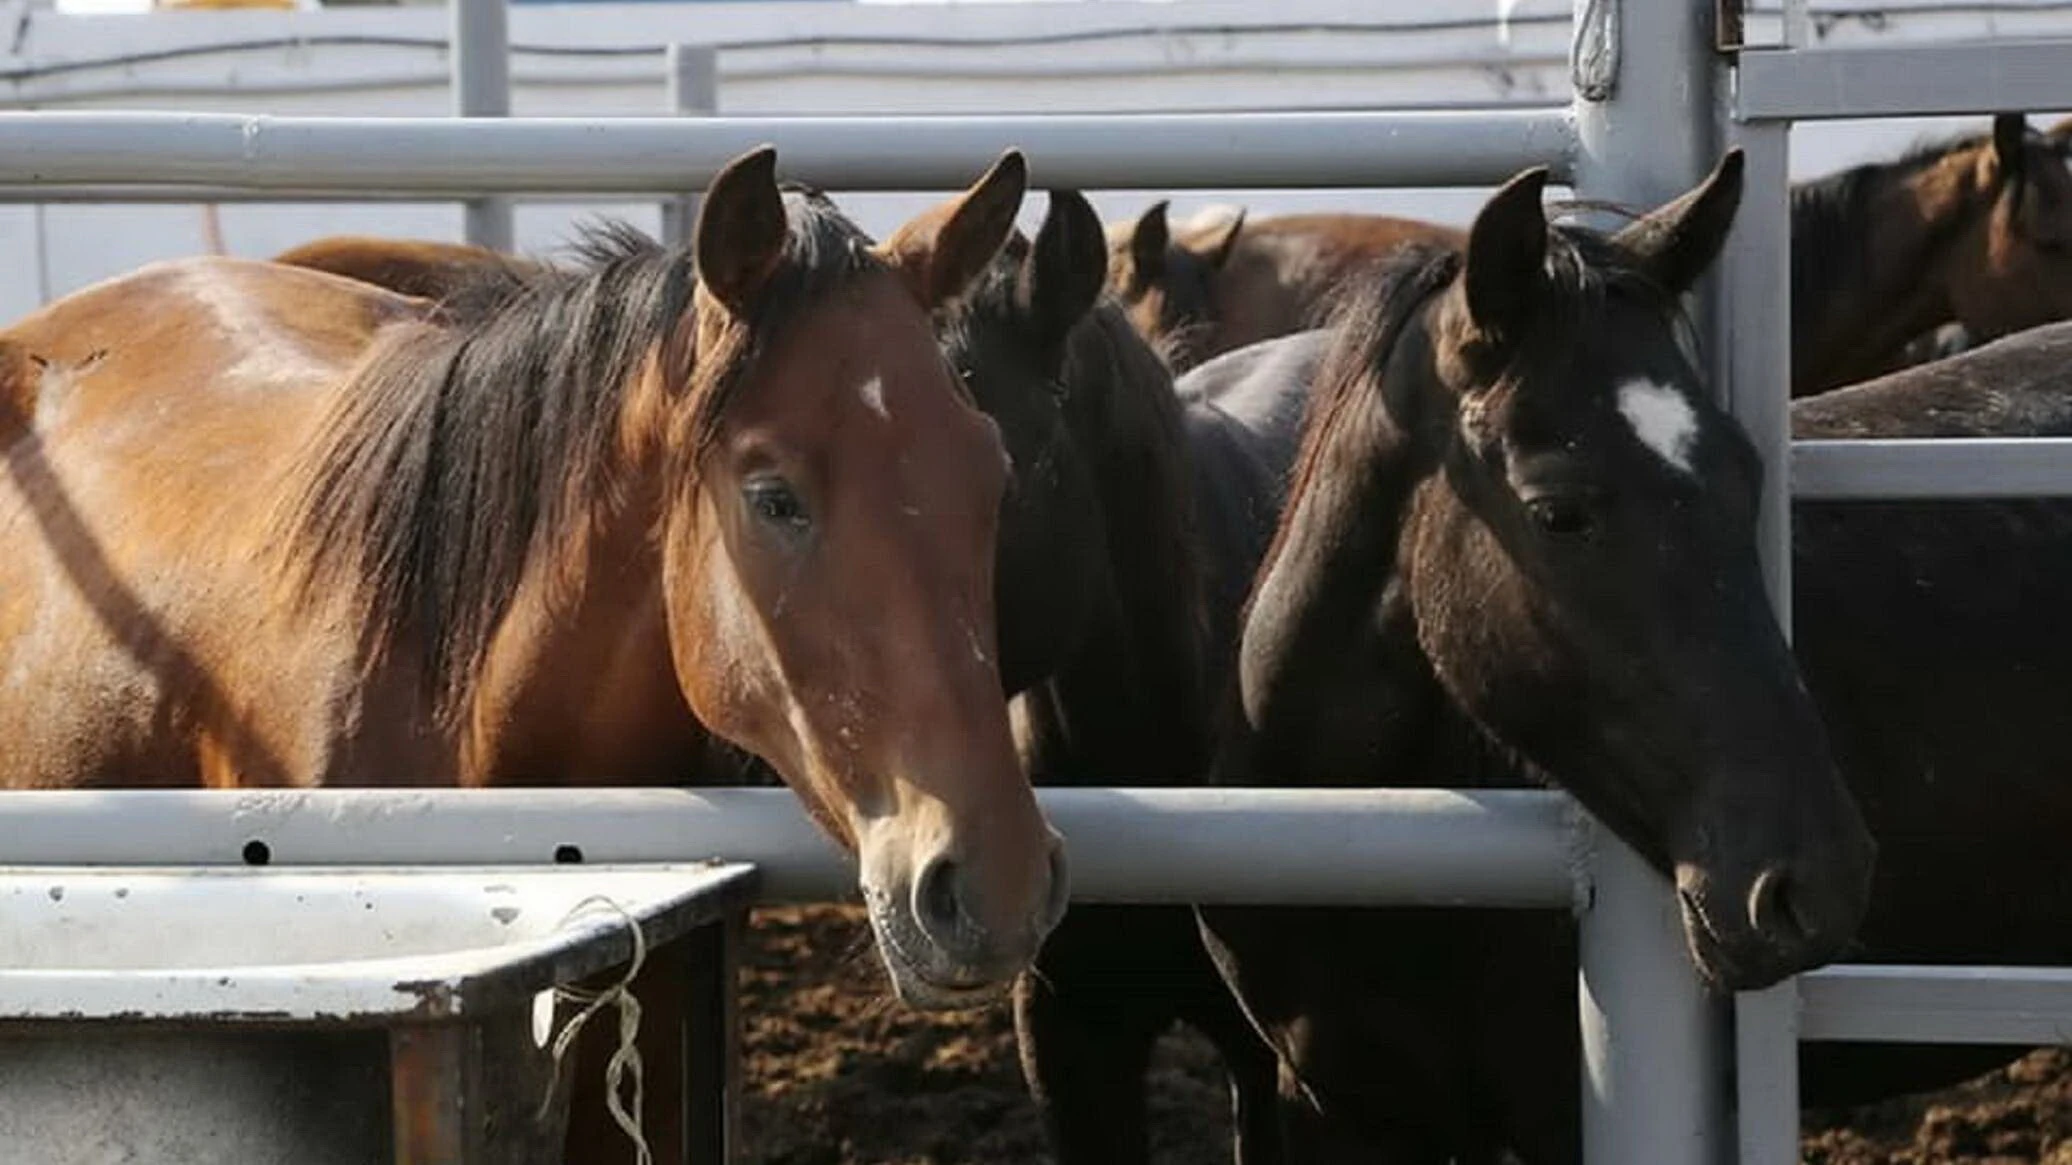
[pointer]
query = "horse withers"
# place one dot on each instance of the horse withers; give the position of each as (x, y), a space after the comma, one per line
(275, 527)
(1519, 546)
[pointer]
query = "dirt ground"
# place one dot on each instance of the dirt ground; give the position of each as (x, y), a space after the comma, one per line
(840, 1075)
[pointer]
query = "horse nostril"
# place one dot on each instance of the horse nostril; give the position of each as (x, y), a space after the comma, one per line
(1774, 909)
(938, 906)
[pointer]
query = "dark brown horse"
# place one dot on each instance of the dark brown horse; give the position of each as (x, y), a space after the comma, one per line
(1101, 607)
(1520, 546)
(1975, 231)
(1931, 635)
(1217, 285)
(274, 527)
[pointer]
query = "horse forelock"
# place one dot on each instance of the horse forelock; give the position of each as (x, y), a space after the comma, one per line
(469, 450)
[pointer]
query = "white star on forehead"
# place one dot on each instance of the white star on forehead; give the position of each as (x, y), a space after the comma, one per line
(1662, 419)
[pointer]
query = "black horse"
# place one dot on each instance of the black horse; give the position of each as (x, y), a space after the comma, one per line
(1101, 594)
(1518, 547)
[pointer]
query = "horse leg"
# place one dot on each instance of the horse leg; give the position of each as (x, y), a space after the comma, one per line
(1086, 1019)
(1254, 1070)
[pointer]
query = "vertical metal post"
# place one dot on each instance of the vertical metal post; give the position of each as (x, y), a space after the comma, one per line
(1766, 1058)
(1646, 76)
(1798, 26)
(1756, 302)
(693, 81)
(481, 47)
(1654, 1077)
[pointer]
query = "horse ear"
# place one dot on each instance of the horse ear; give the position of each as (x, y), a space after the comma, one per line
(944, 248)
(1677, 242)
(2059, 135)
(1064, 272)
(2010, 136)
(1218, 253)
(1507, 254)
(741, 230)
(1149, 239)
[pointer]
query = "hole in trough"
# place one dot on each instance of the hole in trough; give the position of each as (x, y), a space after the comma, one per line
(568, 855)
(257, 853)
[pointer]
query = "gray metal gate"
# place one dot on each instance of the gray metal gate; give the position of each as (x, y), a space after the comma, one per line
(1656, 97)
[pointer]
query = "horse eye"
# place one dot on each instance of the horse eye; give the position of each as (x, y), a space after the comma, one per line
(1563, 516)
(773, 500)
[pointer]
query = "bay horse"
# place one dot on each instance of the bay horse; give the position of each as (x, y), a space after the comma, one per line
(424, 268)
(276, 527)
(1220, 283)
(1974, 231)
(1519, 547)
(1098, 596)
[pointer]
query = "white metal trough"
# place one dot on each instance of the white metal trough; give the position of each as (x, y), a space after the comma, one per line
(339, 1015)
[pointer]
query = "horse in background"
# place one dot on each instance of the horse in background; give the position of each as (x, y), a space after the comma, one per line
(1974, 232)
(419, 267)
(277, 527)
(1222, 281)
(1954, 243)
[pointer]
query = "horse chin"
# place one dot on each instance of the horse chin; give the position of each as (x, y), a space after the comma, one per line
(916, 981)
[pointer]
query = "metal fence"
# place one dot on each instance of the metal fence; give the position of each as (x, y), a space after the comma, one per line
(1656, 97)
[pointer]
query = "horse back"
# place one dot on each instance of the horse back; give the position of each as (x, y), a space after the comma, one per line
(1244, 414)
(1285, 271)
(414, 267)
(159, 416)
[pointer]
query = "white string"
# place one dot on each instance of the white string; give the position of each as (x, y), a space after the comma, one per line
(625, 1061)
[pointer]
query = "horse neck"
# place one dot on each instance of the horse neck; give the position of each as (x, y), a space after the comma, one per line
(1871, 274)
(579, 686)
(1130, 702)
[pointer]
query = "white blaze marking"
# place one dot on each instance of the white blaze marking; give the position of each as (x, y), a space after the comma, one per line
(1664, 421)
(872, 392)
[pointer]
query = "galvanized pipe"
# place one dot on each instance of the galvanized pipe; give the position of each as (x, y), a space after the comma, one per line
(482, 88)
(1756, 343)
(657, 155)
(693, 83)
(1227, 846)
(1655, 1072)
(1655, 1044)
(1956, 467)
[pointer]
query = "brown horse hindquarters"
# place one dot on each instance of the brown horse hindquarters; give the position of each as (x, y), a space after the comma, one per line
(136, 609)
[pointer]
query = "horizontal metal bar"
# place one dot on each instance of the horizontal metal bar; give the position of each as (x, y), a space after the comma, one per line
(1966, 467)
(1231, 846)
(1939, 1005)
(653, 155)
(1909, 80)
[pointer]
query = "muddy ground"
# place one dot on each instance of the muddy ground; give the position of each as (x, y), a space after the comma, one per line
(839, 1075)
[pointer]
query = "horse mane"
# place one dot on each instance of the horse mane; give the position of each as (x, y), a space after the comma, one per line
(468, 447)
(1147, 415)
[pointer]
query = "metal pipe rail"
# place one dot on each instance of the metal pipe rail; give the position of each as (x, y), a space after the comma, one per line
(656, 155)
(1902, 80)
(1961, 467)
(1506, 848)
